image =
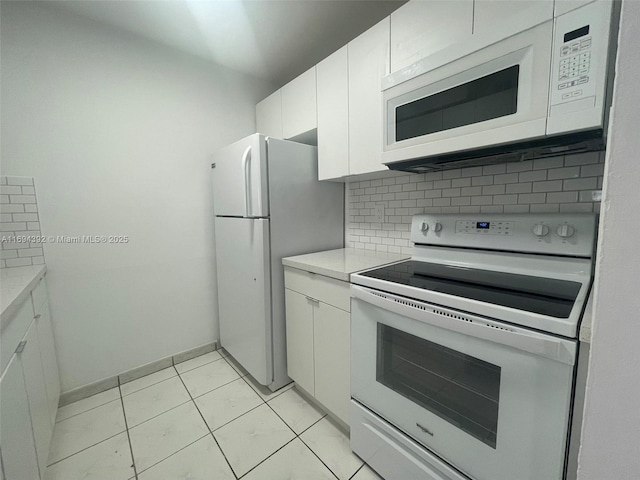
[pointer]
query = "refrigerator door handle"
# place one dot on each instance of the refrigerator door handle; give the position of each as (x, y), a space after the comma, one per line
(246, 159)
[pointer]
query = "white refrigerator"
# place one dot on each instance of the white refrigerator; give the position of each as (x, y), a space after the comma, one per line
(268, 204)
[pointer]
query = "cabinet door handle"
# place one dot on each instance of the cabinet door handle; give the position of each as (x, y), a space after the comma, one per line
(311, 299)
(37, 316)
(21, 346)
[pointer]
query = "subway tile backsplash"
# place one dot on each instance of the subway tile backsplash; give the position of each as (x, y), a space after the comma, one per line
(558, 184)
(19, 218)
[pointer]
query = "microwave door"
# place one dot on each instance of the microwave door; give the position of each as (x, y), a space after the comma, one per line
(240, 179)
(494, 95)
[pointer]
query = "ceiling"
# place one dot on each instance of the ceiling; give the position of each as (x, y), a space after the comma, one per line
(271, 39)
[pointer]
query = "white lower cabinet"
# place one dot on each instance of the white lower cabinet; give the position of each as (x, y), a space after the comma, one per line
(331, 334)
(37, 394)
(300, 360)
(19, 458)
(318, 338)
(49, 360)
(29, 389)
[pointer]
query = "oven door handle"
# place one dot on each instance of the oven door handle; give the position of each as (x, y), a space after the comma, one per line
(471, 325)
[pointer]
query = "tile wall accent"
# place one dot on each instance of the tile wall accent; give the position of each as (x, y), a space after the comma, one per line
(557, 184)
(19, 218)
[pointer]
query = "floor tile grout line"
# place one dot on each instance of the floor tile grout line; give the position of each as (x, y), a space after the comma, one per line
(88, 410)
(265, 401)
(208, 428)
(207, 393)
(86, 448)
(126, 425)
(174, 453)
(356, 472)
(262, 461)
(179, 372)
(303, 442)
(148, 386)
(162, 413)
(236, 418)
(318, 456)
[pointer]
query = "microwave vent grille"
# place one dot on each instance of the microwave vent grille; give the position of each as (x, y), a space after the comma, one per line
(515, 152)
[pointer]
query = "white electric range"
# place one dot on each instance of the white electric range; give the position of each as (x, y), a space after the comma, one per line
(463, 358)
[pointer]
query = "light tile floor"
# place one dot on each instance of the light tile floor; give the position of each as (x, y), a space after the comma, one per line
(202, 419)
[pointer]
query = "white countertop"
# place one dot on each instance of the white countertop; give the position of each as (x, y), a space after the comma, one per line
(584, 335)
(342, 262)
(15, 285)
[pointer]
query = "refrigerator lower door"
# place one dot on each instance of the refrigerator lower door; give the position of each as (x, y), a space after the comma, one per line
(244, 293)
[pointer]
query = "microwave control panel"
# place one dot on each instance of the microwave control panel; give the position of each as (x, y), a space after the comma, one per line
(575, 62)
(579, 60)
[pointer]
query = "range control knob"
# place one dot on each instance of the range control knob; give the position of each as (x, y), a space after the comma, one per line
(424, 227)
(437, 227)
(565, 231)
(540, 230)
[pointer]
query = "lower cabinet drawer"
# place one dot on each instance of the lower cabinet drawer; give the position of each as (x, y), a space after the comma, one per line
(327, 290)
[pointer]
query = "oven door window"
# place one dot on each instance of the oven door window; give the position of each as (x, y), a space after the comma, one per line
(459, 388)
(485, 98)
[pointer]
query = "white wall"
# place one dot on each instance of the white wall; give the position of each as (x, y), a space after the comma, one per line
(118, 133)
(611, 427)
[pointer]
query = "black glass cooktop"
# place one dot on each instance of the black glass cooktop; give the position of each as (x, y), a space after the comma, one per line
(551, 297)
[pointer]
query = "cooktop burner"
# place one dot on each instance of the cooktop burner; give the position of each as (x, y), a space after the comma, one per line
(545, 296)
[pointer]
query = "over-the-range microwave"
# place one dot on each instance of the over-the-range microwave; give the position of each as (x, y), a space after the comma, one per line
(507, 96)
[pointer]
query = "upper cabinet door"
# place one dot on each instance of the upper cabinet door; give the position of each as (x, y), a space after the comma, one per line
(496, 16)
(564, 6)
(368, 64)
(333, 116)
(269, 115)
(299, 105)
(422, 27)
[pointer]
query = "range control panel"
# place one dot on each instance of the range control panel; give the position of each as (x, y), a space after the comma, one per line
(552, 234)
(484, 227)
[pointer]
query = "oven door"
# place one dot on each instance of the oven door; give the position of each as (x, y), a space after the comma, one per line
(491, 399)
(481, 93)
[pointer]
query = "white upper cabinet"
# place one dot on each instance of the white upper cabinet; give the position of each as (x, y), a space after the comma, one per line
(333, 116)
(299, 105)
(269, 115)
(509, 15)
(564, 6)
(422, 27)
(368, 64)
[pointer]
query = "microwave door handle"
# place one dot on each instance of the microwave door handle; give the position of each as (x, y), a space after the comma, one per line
(246, 159)
(536, 344)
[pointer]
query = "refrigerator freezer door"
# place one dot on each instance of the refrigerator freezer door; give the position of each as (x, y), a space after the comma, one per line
(244, 293)
(240, 179)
